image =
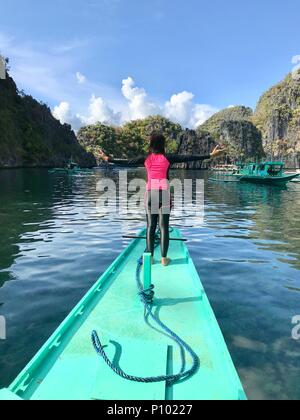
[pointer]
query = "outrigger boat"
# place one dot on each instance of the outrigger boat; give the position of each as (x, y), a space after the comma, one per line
(272, 173)
(183, 356)
(71, 167)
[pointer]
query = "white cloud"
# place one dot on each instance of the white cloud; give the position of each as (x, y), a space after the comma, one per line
(200, 114)
(139, 105)
(180, 108)
(47, 72)
(99, 111)
(296, 59)
(81, 79)
(63, 113)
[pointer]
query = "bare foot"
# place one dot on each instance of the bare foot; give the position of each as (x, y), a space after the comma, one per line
(165, 262)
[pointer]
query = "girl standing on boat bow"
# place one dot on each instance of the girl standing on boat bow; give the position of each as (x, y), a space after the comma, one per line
(158, 201)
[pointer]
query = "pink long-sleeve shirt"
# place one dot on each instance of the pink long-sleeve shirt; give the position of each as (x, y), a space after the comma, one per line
(157, 172)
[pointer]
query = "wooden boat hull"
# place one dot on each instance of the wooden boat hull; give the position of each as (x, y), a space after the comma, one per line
(269, 180)
(68, 368)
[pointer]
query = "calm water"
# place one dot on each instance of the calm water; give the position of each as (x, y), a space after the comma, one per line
(54, 244)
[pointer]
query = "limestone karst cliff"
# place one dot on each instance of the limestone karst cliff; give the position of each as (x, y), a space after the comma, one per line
(30, 136)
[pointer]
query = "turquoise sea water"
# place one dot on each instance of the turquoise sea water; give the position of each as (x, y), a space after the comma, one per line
(55, 243)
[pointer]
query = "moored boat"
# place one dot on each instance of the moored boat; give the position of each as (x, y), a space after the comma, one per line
(265, 173)
(271, 173)
(71, 167)
(68, 368)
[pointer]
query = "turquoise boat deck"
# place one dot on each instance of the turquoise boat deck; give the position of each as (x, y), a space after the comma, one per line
(68, 368)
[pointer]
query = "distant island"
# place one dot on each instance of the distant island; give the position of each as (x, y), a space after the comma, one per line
(31, 137)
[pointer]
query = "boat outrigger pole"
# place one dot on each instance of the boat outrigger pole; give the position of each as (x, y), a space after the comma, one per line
(144, 237)
(147, 271)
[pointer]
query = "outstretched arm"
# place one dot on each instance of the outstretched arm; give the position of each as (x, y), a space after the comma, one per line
(217, 152)
(123, 162)
(128, 162)
(186, 158)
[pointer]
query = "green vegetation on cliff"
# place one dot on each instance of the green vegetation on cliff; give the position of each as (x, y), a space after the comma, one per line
(31, 136)
(129, 140)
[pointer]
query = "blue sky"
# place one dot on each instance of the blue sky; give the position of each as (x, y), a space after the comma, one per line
(114, 60)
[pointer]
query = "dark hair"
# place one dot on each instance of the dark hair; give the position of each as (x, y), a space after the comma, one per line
(157, 144)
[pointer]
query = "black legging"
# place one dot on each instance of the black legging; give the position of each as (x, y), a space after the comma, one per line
(158, 208)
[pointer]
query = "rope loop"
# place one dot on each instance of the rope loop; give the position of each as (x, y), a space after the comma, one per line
(147, 300)
(147, 295)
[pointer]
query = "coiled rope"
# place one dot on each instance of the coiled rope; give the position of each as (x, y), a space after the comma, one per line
(147, 300)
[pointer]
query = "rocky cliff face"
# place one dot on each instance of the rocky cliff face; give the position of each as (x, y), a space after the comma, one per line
(273, 130)
(30, 136)
(191, 142)
(243, 139)
(278, 117)
(237, 113)
(233, 128)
